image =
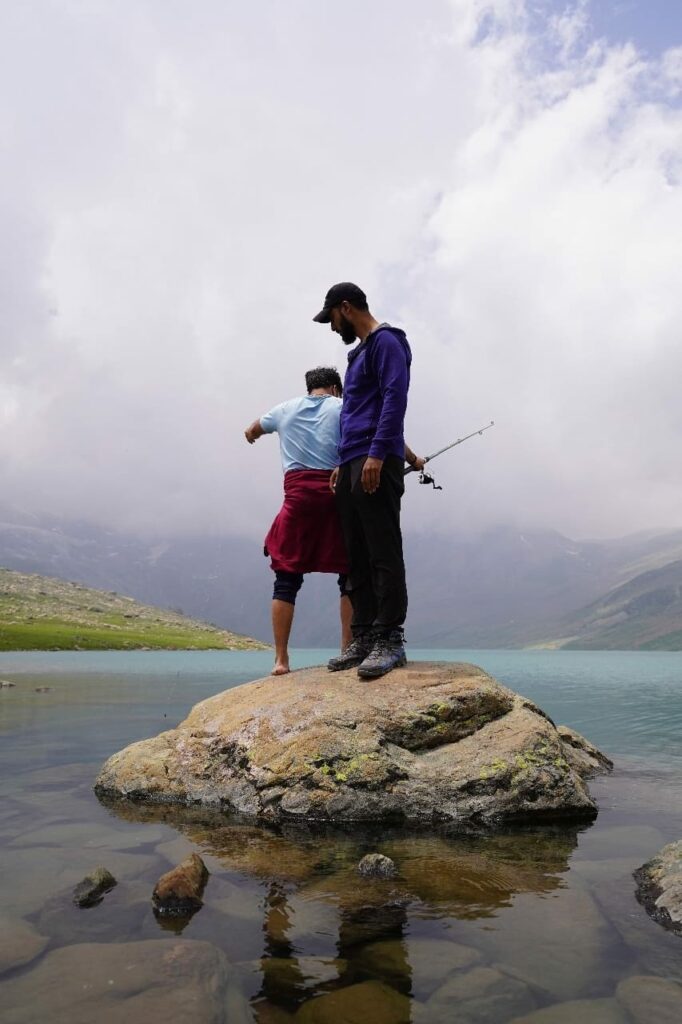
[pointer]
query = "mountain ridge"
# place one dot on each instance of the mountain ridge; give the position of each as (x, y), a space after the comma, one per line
(645, 613)
(502, 587)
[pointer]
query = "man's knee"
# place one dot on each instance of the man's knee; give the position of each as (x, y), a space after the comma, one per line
(287, 586)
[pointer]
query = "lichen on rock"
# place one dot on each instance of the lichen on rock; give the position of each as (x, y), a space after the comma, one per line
(431, 742)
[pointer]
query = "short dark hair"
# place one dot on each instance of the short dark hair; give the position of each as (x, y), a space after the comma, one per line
(323, 377)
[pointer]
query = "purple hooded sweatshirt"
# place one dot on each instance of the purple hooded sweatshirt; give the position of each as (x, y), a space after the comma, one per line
(375, 396)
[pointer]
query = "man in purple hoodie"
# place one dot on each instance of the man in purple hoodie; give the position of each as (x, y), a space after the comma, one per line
(369, 482)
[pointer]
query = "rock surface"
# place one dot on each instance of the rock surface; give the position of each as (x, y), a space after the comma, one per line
(536, 942)
(357, 1004)
(91, 890)
(376, 865)
(585, 1011)
(482, 994)
(428, 742)
(651, 1000)
(428, 963)
(156, 981)
(659, 887)
(581, 754)
(178, 893)
(19, 943)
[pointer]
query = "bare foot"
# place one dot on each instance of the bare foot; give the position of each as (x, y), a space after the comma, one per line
(281, 668)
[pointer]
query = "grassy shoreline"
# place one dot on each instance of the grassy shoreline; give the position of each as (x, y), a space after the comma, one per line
(41, 613)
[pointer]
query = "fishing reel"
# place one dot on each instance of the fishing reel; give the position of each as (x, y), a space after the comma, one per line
(426, 478)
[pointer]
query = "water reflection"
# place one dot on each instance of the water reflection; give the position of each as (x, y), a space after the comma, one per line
(468, 875)
(325, 929)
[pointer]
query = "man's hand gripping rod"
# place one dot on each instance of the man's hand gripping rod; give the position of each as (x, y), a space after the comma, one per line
(426, 478)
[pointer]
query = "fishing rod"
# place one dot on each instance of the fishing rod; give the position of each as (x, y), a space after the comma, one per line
(426, 478)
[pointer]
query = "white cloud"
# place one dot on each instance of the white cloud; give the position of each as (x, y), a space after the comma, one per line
(186, 183)
(559, 243)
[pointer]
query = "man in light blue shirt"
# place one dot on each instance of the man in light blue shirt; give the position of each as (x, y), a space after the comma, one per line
(306, 534)
(308, 429)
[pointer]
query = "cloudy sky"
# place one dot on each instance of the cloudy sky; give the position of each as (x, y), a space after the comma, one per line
(181, 182)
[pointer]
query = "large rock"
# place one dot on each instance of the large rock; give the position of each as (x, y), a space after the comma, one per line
(429, 742)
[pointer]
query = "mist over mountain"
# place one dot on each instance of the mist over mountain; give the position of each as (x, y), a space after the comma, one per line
(500, 587)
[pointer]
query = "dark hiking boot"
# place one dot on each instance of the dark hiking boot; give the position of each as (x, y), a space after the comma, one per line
(387, 653)
(355, 652)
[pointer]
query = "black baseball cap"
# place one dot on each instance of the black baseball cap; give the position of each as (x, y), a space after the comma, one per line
(338, 293)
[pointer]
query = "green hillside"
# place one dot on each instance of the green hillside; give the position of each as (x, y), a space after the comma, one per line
(643, 614)
(41, 613)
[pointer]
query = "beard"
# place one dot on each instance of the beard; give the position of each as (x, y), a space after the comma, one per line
(347, 331)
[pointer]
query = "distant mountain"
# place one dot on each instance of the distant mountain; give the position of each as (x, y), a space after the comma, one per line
(506, 588)
(41, 613)
(499, 588)
(217, 579)
(643, 614)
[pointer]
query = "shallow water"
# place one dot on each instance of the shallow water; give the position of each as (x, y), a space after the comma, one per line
(477, 928)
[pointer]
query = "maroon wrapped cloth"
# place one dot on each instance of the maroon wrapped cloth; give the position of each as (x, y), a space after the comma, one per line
(306, 534)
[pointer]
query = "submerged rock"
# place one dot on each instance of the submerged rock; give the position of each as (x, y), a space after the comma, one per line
(424, 964)
(586, 1011)
(367, 1001)
(649, 999)
(659, 887)
(429, 742)
(156, 981)
(481, 994)
(286, 979)
(178, 893)
(536, 942)
(375, 865)
(92, 889)
(20, 943)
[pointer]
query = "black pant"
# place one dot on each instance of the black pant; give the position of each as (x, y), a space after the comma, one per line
(371, 530)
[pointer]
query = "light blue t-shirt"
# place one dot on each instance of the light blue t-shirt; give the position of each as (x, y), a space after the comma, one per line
(308, 429)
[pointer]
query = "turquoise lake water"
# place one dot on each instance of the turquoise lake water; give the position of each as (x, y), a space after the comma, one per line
(491, 928)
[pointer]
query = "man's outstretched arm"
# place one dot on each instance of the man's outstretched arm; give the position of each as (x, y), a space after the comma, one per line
(253, 432)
